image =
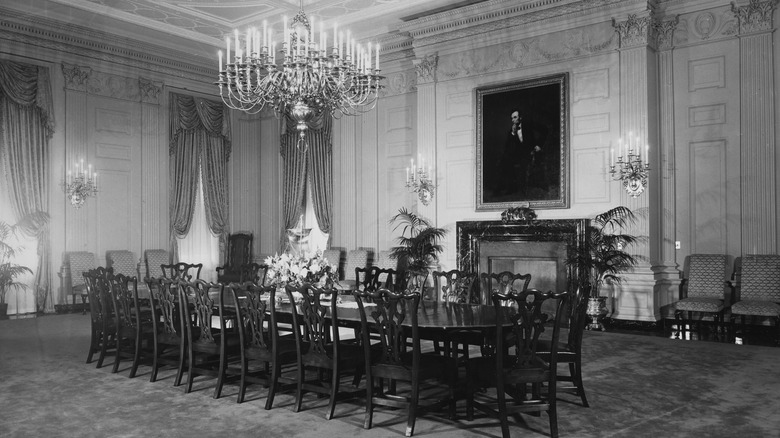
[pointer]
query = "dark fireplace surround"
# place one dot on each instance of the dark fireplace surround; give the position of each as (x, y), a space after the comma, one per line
(476, 243)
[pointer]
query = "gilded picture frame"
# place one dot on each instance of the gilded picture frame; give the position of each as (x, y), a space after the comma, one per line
(522, 158)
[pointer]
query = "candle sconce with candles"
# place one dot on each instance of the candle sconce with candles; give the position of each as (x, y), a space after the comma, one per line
(80, 184)
(632, 168)
(418, 181)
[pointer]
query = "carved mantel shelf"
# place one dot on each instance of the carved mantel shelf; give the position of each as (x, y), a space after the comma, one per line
(471, 234)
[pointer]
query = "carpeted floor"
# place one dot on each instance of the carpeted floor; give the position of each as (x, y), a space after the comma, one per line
(638, 386)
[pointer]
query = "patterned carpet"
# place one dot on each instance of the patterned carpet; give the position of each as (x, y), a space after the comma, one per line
(638, 386)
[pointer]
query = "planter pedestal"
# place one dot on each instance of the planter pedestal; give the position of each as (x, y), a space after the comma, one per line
(597, 310)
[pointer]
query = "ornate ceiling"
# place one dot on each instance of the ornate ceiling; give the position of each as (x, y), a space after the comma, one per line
(207, 21)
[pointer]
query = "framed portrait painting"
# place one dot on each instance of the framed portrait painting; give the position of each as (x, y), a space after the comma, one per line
(522, 144)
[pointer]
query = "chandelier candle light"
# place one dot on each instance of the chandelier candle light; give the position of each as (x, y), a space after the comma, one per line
(80, 184)
(314, 76)
(419, 181)
(633, 169)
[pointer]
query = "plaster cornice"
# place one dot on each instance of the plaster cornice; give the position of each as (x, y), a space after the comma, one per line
(95, 44)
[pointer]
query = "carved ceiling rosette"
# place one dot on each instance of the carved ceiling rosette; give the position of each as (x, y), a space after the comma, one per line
(755, 17)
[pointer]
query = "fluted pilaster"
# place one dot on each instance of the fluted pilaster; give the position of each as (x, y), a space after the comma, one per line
(77, 220)
(426, 124)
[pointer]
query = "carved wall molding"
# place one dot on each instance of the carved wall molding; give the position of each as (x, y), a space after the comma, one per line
(553, 47)
(664, 32)
(705, 26)
(475, 21)
(150, 90)
(80, 41)
(426, 68)
(755, 17)
(635, 31)
(76, 76)
(400, 83)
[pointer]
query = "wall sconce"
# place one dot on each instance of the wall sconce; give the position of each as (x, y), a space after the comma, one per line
(419, 181)
(80, 184)
(632, 170)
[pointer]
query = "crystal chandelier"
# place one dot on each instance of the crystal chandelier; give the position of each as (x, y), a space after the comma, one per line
(632, 170)
(419, 181)
(315, 76)
(80, 184)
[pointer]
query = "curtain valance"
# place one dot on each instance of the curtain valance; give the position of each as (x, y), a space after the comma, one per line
(28, 85)
(189, 113)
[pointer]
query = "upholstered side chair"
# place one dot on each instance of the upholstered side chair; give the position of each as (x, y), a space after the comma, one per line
(703, 291)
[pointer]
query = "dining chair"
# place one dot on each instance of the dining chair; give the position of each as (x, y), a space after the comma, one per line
(398, 356)
(209, 349)
(182, 271)
(502, 282)
(319, 346)
(703, 291)
(511, 369)
(758, 290)
(253, 272)
(74, 264)
(457, 287)
(133, 327)
(333, 256)
(570, 352)
(356, 258)
(168, 342)
(374, 277)
(101, 316)
(264, 352)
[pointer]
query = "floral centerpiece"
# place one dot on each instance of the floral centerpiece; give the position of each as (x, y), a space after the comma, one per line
(292, 269)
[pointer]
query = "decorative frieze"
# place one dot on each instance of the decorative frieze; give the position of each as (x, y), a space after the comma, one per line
(426, 68)
(400, 83)
(75, 76)
(755, 17)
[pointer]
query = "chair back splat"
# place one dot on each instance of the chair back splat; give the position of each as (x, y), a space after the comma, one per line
(133, 327)
(512, 364)
(502, 282)
(101, 313)
(319, 346)
(237, 254)
(260, 340)
(168, 338)
(182, 271)
(398, 357)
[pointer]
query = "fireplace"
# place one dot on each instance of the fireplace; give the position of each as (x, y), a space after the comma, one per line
(538, 247)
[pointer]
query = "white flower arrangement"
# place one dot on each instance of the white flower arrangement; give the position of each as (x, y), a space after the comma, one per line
(291, 269)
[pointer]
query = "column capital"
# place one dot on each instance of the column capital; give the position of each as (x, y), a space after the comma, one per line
(664, 32)
(76, 76)
(635, 31)
(150, 90)
(756, 17)
(426, 68)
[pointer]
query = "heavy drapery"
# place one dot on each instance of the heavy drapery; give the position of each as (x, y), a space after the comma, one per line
(26, 126)
(317, 161)
(200, 139)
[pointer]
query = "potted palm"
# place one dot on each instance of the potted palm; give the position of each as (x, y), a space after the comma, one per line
(603, 257)
(418, 245)
(10, 272)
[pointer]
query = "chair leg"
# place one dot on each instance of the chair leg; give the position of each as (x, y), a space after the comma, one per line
(182, 359)
(744, 333)
(334, 390)
(277, 373)
(242, 382)
(501, 395)
(220, 374)
(678, 320)
(136, 356)
(413, 408)
(190, 366)
(299, 389)
(155, 352)
(369, 402)
(576, 373)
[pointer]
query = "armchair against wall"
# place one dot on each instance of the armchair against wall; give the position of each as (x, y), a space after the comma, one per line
(237, 254)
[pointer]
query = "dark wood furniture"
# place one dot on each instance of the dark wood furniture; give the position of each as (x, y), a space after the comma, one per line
(237, 254)
(374, 277)
(133, 327)
(253, 272)
(398, 358)
(319, 346)
(209, 348)
(460, 287)
(182, 271)
(510, 362)
(101, 313)
(261, 342)
(502, 282)
(168, 344)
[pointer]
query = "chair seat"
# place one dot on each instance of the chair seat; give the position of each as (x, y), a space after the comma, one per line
(755, 307)
(484, 369)
(700, 304)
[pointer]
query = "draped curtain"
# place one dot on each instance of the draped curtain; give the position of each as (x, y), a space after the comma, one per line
(26, 126)
(317, 162)
(200, 140)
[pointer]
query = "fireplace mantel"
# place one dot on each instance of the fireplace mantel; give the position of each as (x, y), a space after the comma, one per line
(471, 235)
